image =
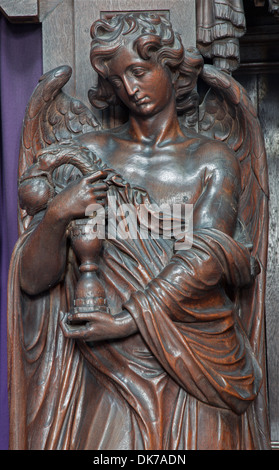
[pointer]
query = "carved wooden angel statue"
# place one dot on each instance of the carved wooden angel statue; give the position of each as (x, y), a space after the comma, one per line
(178, 359)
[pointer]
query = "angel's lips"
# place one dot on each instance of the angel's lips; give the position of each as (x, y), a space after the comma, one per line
(143, 100)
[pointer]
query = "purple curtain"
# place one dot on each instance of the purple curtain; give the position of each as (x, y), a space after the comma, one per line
(20, 69)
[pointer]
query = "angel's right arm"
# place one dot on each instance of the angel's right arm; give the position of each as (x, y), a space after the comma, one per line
(43, 258)
(44, 254)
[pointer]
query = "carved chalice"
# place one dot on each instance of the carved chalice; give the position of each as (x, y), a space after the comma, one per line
(90, 294)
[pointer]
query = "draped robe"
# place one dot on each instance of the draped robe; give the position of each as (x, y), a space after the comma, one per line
(185, 380)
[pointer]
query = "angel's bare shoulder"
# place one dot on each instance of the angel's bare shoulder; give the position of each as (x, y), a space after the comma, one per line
(213, 156)
(98, 137)
(101, 141)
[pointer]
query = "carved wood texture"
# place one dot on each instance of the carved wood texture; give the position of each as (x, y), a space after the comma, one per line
(59, 19)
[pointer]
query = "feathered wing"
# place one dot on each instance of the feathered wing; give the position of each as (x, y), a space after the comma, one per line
(51, 117)
(227, 114)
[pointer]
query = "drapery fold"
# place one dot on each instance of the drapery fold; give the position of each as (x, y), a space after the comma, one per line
(191, 351)
(220, 24)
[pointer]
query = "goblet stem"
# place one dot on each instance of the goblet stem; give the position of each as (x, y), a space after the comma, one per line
(90, 293)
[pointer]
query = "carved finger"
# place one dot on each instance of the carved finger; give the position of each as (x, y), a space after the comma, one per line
(96, 176)
(100, 195)
(100, 187)
(83, 332)
(84, 317)
(78, 332)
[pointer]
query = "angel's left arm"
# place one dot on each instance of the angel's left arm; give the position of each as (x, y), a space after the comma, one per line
(217, 206)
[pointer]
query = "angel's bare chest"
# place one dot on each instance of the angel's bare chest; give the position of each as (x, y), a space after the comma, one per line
(167, 175)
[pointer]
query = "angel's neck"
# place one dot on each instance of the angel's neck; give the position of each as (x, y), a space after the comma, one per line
(163, 127)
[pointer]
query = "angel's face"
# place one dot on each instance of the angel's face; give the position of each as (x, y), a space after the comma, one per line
(144, 86)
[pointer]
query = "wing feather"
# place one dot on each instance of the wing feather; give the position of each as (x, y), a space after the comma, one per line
(241, 130)
(238, 126)
(51, 117)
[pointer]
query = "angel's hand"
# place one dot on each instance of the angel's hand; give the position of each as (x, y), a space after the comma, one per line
(75, 199)
(97, 326)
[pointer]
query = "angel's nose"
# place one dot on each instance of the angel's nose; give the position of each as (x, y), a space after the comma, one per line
(130, 85)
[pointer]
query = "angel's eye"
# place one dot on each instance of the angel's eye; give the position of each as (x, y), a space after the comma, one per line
(138, 72)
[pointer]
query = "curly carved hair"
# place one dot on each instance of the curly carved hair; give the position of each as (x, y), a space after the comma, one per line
(153, 37)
